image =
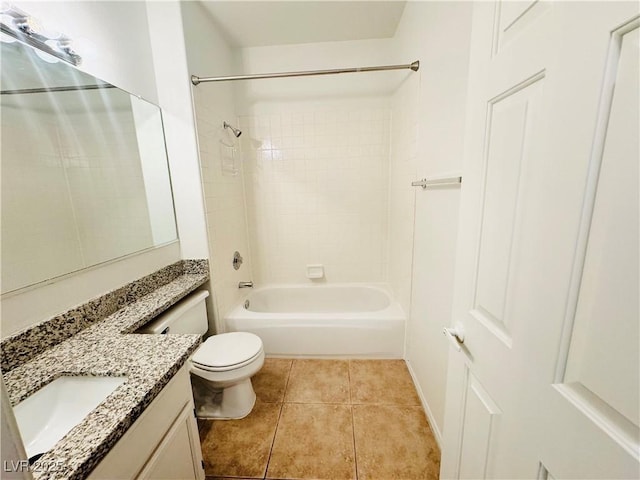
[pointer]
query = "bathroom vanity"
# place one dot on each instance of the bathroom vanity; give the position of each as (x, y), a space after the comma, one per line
(146, 427)
(162, 443)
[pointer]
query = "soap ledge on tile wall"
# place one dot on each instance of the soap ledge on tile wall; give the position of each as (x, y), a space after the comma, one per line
(23, 346)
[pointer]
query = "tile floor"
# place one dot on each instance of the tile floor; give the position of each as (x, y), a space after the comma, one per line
(325, 419)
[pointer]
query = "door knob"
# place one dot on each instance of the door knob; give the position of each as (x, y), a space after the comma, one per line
(455, 334)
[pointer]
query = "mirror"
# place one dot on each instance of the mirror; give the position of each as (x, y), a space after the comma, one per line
(85, 177)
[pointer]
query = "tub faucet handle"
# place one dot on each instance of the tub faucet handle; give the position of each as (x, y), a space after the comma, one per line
(245, 284)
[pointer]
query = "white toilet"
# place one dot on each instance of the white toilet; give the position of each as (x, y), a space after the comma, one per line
(222, 367)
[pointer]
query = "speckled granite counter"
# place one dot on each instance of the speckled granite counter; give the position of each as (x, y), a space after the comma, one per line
(107, 348)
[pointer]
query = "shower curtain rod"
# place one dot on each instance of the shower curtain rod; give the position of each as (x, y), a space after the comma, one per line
(411, 66)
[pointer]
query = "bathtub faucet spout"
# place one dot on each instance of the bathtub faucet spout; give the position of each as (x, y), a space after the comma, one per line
(245, 285)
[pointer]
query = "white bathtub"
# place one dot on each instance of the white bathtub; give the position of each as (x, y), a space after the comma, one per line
(335, 320)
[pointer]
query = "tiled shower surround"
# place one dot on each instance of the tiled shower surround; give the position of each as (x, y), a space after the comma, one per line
(316, 184)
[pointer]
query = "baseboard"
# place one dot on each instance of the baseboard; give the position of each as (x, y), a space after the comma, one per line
(425, 405)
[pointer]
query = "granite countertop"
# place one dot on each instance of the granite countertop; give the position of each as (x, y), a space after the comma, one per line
(108, 348)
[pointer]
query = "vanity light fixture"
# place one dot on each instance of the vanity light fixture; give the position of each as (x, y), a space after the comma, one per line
(15, 23)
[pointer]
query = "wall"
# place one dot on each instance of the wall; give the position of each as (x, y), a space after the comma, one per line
(402, 171)
(222, 168)
(172, 75)
(113, 38)
(317, 191)
(437, 33)
(317, 159)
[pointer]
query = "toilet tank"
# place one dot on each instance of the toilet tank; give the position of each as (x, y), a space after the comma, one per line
(187, 316)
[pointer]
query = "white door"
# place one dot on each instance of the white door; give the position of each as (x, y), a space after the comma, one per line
(546, 382)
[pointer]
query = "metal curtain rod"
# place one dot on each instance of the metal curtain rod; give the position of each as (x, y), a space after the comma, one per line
(411, 66)
(57, 89)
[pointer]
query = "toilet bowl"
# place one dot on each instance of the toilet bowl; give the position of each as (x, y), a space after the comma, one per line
(222, 367)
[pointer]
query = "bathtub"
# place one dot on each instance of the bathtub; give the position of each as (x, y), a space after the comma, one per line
(323, 320)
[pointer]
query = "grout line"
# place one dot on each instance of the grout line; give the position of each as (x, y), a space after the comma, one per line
(353, 422)
(273, 441)
(353, 432)
(286, 383)
(349, 377)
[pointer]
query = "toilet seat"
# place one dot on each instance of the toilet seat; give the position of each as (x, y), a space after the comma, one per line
(227, 351)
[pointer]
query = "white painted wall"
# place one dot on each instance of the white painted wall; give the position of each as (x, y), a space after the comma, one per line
(222, 167)
(317, 56)
(111, 37)
(173, 82)
(438, 34)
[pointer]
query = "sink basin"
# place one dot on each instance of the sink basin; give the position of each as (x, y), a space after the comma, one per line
(50, 413)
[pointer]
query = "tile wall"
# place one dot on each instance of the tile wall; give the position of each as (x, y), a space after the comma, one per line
(317, 191)
(402, 171)
(222, 176)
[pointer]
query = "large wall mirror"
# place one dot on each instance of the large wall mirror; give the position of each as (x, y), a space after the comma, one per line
(85, 178)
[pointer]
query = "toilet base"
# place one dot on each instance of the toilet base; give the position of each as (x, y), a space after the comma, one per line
(229, 403)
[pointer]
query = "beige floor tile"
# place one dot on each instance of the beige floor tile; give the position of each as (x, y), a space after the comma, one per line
(313, 441)
(240, 448)
(318, 381)
(394, 442)
(270, 382)
(385, 382)
(232, 478)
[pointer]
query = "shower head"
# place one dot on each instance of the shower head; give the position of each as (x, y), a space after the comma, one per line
(235, 131)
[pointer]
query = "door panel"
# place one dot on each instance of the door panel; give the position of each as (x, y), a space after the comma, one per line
(512, 18)
(547, 259)
(610, 285)
(480, 418)
(510, 119)
(599, 377)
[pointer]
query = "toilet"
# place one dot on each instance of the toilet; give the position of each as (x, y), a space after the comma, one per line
(222, 367)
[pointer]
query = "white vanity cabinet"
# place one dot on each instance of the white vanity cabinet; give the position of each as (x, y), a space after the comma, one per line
(163, 443)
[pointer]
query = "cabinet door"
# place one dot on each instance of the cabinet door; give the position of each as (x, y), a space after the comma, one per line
(177, 457)
(154, 431)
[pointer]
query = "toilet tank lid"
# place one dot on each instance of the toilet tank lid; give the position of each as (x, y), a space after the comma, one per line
(227, 349)
(163, 320)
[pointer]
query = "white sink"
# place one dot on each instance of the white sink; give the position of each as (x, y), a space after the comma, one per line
(50, 413)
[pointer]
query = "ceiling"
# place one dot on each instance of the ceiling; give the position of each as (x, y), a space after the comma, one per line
(263, 23)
